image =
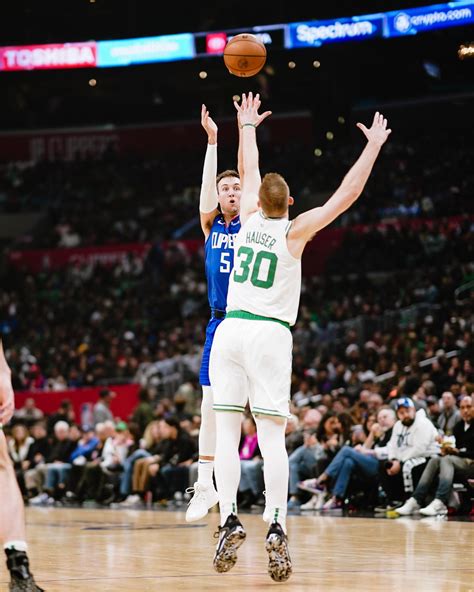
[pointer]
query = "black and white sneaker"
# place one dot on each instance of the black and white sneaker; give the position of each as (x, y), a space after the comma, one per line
(28, 585)
(21, 577)
(279, 561)
(230, 536)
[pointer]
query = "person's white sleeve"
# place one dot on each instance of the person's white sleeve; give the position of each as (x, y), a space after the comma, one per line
(208, 198)
(381, 452)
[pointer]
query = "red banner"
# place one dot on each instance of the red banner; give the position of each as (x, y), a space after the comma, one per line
(149, 140)
(83, 400)
(51, 56)
(50, 259)
(43, 259)
(314, 257)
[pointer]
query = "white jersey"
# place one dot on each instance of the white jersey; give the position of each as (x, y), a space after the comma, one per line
(266, 279)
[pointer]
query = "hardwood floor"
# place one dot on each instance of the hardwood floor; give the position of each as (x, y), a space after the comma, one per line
(104, 550)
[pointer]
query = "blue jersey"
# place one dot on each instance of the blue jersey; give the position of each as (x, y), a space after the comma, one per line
(219, 251)
(219, 260)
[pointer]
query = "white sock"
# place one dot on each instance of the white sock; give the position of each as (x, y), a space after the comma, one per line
(205, 472)
(16, 545)
(207, 438)
(227, 464)
(271, 440)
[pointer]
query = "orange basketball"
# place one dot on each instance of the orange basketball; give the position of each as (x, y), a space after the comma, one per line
(245, 55)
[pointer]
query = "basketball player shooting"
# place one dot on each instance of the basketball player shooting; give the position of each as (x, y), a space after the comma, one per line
(12, 511)
(251, 357)
(219, 207)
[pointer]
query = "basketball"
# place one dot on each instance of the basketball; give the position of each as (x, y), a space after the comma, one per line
(245, 55)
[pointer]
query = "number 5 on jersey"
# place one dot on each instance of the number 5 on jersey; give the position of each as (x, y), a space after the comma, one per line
(264, 265)
(225, 262)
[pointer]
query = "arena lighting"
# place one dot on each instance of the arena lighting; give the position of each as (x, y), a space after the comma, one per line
(466, 51)
(291, 65)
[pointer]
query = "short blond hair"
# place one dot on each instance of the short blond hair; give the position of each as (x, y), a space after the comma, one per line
(273, 194)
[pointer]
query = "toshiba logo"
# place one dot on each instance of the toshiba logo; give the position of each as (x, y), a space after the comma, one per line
(48, 56)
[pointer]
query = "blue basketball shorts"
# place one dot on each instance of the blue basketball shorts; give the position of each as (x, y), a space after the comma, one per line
(206, 354)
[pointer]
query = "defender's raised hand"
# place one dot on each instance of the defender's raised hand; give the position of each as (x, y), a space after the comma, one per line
(378, 133)
(249, 109)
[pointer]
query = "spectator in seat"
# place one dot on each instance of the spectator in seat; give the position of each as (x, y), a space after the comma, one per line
(101, 411)
(177, 451)
(29, 413)
(319, 441)
(143, 413)
(457, 458)
(40, 449)
(132, 483)
(412, 444)
(48, 476)
(65, 413)
(361, 459)
(18, 448)
(449, 415)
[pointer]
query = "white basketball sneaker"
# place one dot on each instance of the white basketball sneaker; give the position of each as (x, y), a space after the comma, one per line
(204, 498)
(409, 507)
(436, 508)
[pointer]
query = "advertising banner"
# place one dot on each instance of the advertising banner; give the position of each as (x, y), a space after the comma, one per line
(48, 57)
(125, 52)
(51, 259)
(143, 140)
(316, 33)
(429, 18)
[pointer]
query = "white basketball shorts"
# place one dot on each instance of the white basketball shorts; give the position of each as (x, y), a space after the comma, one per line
(251, 361)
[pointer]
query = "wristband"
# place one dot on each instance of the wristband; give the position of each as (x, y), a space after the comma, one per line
(249, 124)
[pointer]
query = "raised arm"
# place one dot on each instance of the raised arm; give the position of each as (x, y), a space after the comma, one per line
(7, 398)
(208, 197)
(306, 225)
(249, 120)
(240, 155)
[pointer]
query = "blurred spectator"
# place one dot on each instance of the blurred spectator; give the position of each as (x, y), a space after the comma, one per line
(101, 410)
(64, 413)
(449, 415)
(18, 447)
(45, 477)
(135, 477)
(177, 452)
(360, 460)
(29, 413)
(143, 413)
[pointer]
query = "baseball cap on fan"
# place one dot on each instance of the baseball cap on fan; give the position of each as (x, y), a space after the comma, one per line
(404, 402)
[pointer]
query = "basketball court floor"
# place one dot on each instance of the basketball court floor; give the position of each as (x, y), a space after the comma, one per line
(102, 550)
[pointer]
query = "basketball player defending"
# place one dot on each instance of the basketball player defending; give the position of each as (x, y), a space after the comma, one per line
(252, 350)
(219, 227)
(12, 512)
